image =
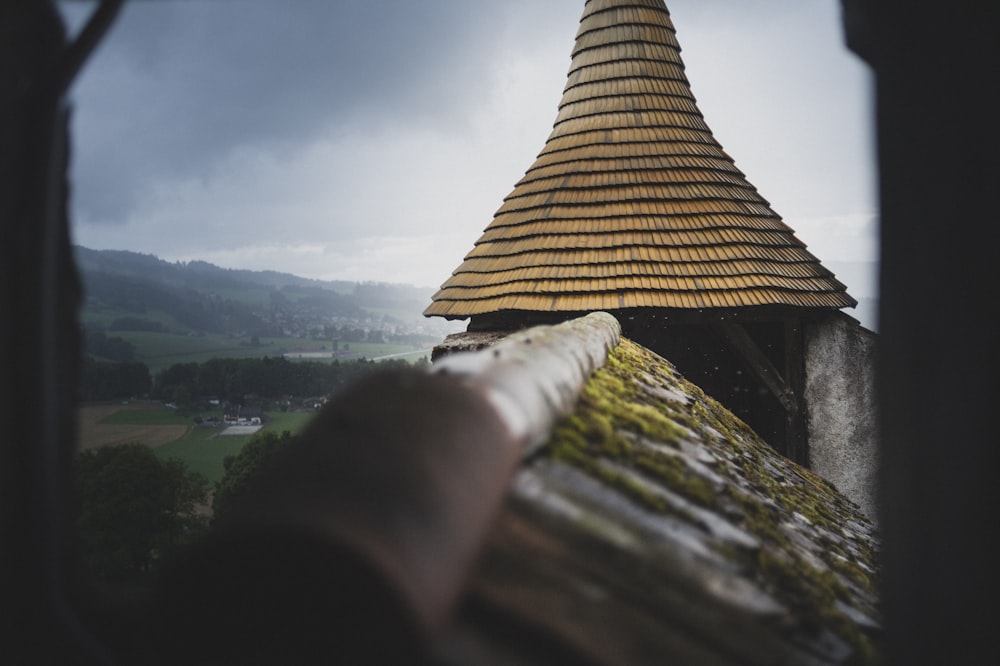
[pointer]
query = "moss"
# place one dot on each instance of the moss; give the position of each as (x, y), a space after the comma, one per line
(612, 404)
(676, 475)
(636, 397)
(813, 601)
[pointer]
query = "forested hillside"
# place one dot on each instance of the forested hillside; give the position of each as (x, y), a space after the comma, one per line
(202, 296)
(139, 307)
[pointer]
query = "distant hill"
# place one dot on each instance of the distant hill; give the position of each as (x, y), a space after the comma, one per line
(199, 274)
(152, 304)
(133, 291)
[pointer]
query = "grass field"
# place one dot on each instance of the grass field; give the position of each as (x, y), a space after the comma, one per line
(202, 448)
(146, 415)
(162, 350)
(101, 317)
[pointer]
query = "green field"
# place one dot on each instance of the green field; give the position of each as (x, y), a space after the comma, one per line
(152, 416)
(203, 448)
(159, 351)
(101, 317)
(203, 451)
(162, 350)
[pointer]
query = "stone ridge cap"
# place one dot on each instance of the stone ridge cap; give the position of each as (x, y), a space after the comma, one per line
(533, 377)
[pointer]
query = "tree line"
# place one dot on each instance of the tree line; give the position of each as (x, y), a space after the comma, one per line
(225, 379)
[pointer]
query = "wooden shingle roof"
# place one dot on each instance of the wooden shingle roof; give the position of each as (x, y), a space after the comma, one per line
(632, 202)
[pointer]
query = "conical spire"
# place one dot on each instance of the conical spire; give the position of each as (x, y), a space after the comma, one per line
(632, 202)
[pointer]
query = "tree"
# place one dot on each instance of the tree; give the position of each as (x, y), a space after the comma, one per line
(113, 349)
(135, 510)
(182, 396)
(244, 467)
(179, 374)
(102, 380)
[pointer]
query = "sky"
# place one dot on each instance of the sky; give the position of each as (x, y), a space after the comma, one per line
(373, 140)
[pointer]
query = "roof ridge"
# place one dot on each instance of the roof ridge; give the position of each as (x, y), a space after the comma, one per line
(533, 377)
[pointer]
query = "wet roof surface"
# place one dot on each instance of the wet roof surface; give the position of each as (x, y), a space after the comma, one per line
(655, 527)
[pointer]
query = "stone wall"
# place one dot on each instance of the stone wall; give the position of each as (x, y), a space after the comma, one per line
(841, 409)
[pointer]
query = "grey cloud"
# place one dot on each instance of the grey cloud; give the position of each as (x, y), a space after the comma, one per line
(179, 85)
(236, 127)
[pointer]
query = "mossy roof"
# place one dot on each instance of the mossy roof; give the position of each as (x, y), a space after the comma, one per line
(632, 202)
(655, 527)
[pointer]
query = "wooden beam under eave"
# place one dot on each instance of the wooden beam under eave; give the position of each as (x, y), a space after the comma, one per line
(785, 384)
(741, 342)
(796, 438)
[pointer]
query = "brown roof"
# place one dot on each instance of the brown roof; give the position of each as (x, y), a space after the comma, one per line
(632, 202)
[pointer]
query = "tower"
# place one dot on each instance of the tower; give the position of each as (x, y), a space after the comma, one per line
(634, 208)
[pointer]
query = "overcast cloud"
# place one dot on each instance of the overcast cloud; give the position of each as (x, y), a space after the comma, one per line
(374, 139)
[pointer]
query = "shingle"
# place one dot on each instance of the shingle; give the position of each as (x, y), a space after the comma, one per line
(631, 174)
